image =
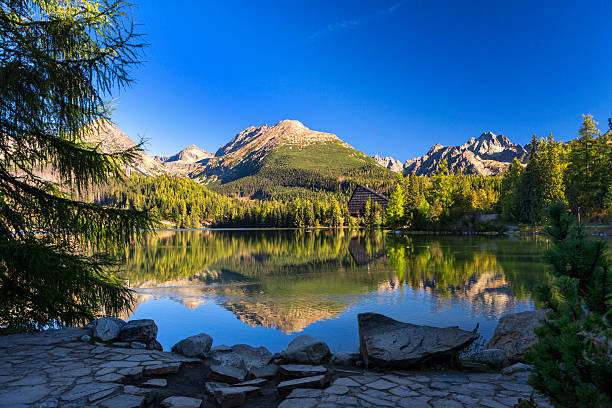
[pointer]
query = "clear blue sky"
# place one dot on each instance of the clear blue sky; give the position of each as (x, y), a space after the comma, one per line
(388, 77)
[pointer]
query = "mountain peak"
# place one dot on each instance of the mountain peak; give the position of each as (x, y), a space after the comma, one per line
(487, 155)
(190, 154)
(264, 138)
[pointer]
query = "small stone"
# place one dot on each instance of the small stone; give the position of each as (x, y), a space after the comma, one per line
(446, 403)
(299, 403)
(516, 368)
(156, 382)
(162, 369)
(403, 392)
(344, 358)
(144, 330)
(112, 377)
(267, 371)
(346, 381)
(211, 386)
(84, 390)
(194, 346)
(181, 402)
(305, 393)
(309, 382)
(122, 344)
(138, 345)
(300, 370)
(86, 338)
(491, 357)
(439, 385)
(336, 390)
(381, 385)
(491, 403)
(233, 396)
(123, 401)
(227, 374)
(130, 389)
(107, 328)
(306, 349)
(253, 383)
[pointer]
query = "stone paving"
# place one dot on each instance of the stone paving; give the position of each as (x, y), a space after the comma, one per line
(417, 390)
(57, 369)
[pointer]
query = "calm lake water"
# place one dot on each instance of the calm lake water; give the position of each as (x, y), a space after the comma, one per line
(266, 287)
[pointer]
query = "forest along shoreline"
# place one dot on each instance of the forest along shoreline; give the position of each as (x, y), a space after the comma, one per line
(111, 363)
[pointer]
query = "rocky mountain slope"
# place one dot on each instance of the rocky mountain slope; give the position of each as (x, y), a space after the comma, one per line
(186, 161)
(487, 155)
(110, 139)
(389, 162)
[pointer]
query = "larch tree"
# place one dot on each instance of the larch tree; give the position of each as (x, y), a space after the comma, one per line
(395, 208)
(60, 61)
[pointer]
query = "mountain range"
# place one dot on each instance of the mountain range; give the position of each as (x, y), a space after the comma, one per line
(289, 155)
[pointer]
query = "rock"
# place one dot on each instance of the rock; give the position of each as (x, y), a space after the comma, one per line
(491, 357)
(138, 345)
(194, 346)
(474, 367)
(344, 358)
(226, 357)
(300, 370)
(122, 344)
(86, 338)
(306, 349)
(267, 371)
(516, 368)
(233, 396)
(155, 345)
(385, 342)
(514, 333)
(107, 328)
(156, 382)
(144, 330)
(211, 386)
(181, 402)
(252, 356)
(257, 382)
(162, 369)
(318, 381)
(227, 374)
(123, 401)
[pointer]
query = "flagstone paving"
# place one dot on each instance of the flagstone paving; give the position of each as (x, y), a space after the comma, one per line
(57, 369)
(420, 389)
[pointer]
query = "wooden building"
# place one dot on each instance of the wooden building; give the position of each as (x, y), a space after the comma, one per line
(360, 197)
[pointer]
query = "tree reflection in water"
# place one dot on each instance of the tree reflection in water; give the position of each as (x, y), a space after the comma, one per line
(288, 279)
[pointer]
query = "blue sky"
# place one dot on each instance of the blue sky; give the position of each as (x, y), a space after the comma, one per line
(388, 77)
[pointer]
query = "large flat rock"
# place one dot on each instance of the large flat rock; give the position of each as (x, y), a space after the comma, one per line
(385, 342)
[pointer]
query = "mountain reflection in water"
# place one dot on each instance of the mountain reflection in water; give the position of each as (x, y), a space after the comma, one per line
(288, 280)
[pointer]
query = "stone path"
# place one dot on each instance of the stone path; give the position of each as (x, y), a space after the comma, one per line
(57, 369)
(417, 390)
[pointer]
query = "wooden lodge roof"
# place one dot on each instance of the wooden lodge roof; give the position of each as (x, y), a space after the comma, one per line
(361, 195)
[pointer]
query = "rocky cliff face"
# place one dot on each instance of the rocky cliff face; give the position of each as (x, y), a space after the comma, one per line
(488, 155)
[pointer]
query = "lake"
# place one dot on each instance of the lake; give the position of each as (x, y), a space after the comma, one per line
(265, 287)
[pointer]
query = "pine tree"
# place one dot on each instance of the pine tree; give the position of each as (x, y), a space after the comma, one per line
(572, 359)
(588, 176)
(59, 61)
(509, 195)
